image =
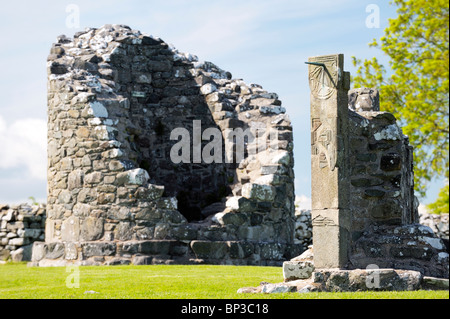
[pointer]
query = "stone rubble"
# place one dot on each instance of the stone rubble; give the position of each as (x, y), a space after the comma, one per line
(438, 223)
(300, 276)
(303, 228)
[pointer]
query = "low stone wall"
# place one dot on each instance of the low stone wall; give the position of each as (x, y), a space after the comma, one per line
(303, 228)
(410, 247)
(438, 223)
(20, 226)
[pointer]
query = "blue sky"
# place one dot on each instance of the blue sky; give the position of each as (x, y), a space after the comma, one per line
(264, 42)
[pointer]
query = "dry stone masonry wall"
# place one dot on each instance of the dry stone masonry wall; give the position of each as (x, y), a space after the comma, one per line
(20, 227)
(438, 223)
(156, 157)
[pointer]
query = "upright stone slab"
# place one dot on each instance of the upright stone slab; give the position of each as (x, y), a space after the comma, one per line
(329, 86)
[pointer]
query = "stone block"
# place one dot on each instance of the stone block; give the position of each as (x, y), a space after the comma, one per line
(141, 260)
(118, 213)
(265, 193)
(293, 270)
(98, 249)
(91, 229)
(4, 254)
(117, 261)
(32, 233)
(148, 214)
(17, 241)
(137, 176)
(241, 204)
(241, 249)
(39, 251)
(173, 217)
(155, 247)
(71, 251)
(435, 283)
(17, 255)
(70, 229)
(209, 249)
(55, 250)
(170, 203)
(229, 218)
(272, 251)
(391, 162)
(278, 288)
(124, 231)
(151, 192)
(184, 232)
(364, 100)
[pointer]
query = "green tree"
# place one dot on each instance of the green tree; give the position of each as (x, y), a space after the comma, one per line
(415, 88)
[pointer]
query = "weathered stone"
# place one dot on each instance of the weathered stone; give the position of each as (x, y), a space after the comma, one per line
(368, 279)
(435, 283)
(229, 218)
(124, 231)
(277, 288)
(293, 270)
(71, 251)
(241, 204)
(258, 192)
(152, 192)
(390, 162)
(39, 251)
(55, 250)
(75, 179)
(136, 176)
(364, 99)
(91, 229)
(4, 254)
(330, 182)
(93, 178)
(155, 247)
(70, 229)
(141, 260)
(209, 250)
(98, 249)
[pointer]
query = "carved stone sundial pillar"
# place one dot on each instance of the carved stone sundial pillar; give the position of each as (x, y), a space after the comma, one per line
(329, 86)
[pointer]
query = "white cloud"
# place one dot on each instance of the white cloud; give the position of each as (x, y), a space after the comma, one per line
(23, 144)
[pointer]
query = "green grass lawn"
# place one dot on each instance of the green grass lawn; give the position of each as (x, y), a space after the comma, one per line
(162, 282)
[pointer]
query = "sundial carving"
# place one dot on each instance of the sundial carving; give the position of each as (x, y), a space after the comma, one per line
(323, 76)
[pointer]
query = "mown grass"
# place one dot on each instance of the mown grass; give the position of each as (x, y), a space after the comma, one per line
(17, 281)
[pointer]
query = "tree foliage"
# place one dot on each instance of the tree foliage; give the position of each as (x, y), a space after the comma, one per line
(415, 88)
(441, 204)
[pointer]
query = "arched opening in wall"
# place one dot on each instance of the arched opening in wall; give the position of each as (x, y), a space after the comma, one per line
(161, 103)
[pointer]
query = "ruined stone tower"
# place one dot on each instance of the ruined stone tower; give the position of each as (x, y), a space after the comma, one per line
(155, 157)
